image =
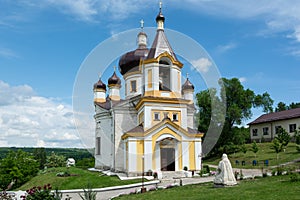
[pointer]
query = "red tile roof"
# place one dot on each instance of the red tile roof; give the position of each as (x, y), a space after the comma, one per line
(276, 116)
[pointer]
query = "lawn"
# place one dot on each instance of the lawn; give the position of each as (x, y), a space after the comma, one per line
(275, 187)
(79, 179)
(265, 152)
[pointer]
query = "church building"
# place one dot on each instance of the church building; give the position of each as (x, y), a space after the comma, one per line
(152, 127)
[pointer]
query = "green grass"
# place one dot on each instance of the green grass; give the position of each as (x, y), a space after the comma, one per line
(276, 187)
(265, 152)
(80, 179)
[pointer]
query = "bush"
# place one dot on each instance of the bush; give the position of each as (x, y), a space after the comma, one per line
(36, 193)
(295, 177)
(185, 168)
(279, 171)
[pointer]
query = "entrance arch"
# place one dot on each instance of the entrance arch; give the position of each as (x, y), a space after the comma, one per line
(167, 154)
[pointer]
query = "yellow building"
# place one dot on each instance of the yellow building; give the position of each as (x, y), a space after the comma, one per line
(152, 128)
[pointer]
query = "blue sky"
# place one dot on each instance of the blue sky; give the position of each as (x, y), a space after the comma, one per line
(43, 44)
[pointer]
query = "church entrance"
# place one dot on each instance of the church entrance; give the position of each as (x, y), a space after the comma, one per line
(167, 159)
(167, 154)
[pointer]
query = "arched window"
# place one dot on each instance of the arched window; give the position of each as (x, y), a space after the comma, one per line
(164, 74)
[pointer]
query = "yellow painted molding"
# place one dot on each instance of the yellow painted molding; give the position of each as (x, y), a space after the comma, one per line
(160, 100)
(99, 90)
(115, 97)
(100, 100)
(165, 54)
(192, 156)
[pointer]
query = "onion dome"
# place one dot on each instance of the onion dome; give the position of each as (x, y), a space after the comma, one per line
(99, 85)
(187, 85)
(114, 80)
(160, 16)
(130, 61)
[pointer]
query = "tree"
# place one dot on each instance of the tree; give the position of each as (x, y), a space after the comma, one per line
(283, 138)
(297, 139)
(55, 160)
(294, 105)
(281, 107)
(277, 147)
(40, 156)
(17, 168)
(254, 148)
(239, 102)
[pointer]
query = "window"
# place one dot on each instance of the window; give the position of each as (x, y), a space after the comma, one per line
(292, 128)
(175, 116)
(132, 86)
(254, 132)
(98, 146)
(164, 76)
(156, 116)
(166, 115)
(266, 130)
(277, 129)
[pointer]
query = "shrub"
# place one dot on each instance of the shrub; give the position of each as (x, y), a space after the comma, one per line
(185, 168)
(39, 192)
(295, 177)
(155, 175)
(279, 171)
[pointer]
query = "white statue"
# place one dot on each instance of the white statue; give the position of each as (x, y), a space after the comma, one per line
(225, 174)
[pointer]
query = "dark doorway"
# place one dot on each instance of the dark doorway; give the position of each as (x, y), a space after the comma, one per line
(167, 156)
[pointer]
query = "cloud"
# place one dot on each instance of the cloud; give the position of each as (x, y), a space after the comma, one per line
(83, 10)
(27, 119)
(226, 47)
(7, 53)
(202, 64)
(243, 79)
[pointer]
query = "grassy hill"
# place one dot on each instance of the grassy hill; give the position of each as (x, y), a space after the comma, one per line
(79, 179)
(265, 152)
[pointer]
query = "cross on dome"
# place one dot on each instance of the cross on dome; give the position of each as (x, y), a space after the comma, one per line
(142, 24)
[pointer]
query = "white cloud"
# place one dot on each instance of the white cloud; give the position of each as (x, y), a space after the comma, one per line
(7, 53)
(202, 64)
(226, 47)
(243, 79)
(30, 120)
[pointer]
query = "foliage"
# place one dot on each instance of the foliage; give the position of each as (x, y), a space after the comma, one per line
(281, 106)
(239, 102)
(276, 146)
(86, 163)
(16, 169)
(297, 139)
(283, 138)
(40, 155)
(88, 194)
(295, 177)
(254, 148)
(244, 149)
(55, 160)
(40, 193)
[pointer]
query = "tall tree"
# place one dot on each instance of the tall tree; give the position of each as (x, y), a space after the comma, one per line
(294, 105)
(239, 102)
(40, 155)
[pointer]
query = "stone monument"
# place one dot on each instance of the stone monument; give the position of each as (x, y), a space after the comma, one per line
(225, 175)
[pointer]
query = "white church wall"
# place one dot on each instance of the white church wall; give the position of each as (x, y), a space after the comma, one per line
(104, 131)
(132, 157)
(185, 154)
(198, 152)
(148, 154)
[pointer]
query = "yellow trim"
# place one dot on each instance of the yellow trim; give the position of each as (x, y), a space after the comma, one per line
(178, 81)
(114, 86)
(165, 54)
(115, 97)
(162, 123)
(162, 116)
(149, 78)
(180, 155)
(140, 153)
(99, 90)
(161, 100)
(157, 93)
(165, 130)
(141, 117)
(192, 155)
(99, 100)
